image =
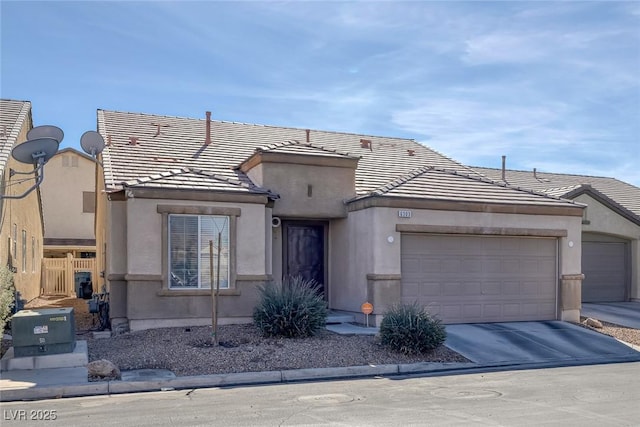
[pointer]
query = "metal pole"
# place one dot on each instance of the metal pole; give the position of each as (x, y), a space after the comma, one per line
(215, 319)
(214, 338)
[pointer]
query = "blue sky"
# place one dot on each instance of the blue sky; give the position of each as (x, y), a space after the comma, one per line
(551, 85)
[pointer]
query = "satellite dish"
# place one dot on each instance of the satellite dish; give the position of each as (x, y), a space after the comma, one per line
(32, 151)
(46, 131)
(92, 142)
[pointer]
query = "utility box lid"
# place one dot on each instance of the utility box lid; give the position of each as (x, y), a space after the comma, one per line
(43, 331)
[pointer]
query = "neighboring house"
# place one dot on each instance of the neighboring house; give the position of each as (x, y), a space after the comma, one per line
(21, 225)
(610, 228)
(371, 218)
(68, 202)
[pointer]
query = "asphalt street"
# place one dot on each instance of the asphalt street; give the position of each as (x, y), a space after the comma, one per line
(597, 395)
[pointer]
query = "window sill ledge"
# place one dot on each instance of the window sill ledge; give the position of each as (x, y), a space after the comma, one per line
(196, 292)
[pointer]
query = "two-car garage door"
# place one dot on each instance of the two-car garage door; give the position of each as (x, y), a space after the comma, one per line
(465, 279)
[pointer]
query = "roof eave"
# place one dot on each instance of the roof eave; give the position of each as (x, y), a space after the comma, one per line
(562, 209)
(192, 194)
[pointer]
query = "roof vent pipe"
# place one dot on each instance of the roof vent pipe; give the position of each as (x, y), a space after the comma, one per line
(504, 170)
(207, 139)
(535, 173)
(308, 137)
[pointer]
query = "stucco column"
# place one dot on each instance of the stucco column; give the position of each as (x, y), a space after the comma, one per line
(383, 290)
(571, 297)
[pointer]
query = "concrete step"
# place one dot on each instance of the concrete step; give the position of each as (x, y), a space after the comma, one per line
(335, 317)
(77, 359)
(349, 329)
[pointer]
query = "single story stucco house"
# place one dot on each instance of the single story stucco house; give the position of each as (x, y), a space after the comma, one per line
(610, 228)
(371, 218)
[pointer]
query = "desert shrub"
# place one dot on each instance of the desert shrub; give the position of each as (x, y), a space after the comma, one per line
(410, 329)
(7, 296)
(292, 310)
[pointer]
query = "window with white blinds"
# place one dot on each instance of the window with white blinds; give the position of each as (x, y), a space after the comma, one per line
(189, 237)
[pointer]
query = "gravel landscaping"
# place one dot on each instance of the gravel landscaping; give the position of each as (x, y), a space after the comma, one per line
(188, 351)
(629, 335)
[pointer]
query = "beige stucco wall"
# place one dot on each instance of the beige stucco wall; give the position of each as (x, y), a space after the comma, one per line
(100, 228)
(360, 247)
(351, 258)
(26, 215)
(135, 270)
(330, 187)
(602, 220)
(144, 235)
(62, 197)
(276, 254)
(116, 261)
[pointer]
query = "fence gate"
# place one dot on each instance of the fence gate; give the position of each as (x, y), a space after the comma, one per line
(58, 274)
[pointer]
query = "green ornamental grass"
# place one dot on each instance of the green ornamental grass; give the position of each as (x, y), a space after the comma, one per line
(293, 310)
(410, 329)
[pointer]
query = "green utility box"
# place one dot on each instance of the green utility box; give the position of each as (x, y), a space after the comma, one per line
(42, 332)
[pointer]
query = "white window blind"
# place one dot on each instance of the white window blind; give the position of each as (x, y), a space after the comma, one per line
(189, 237)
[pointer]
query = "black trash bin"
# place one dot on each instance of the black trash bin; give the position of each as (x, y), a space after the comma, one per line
(87, 290)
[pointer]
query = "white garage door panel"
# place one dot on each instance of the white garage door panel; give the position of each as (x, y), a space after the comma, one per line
(465, 279)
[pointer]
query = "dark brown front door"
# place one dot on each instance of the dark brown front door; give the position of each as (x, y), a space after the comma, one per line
(304, 251)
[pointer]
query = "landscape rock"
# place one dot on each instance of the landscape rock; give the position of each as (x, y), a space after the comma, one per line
(594, 323)
(103, 369)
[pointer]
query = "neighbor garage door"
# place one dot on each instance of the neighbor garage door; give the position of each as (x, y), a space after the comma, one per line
(465, 279)
(604, 268)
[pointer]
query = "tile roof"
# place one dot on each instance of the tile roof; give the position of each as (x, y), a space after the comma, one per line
(164, 143)
(12, 117)
(169, 152)
(561, 185)
(441, 184)
(194, 179)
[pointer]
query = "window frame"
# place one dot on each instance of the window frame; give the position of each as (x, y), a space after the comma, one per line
(231, 212)
(200, 275)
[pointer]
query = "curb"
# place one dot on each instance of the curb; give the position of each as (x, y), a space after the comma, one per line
(289, 376)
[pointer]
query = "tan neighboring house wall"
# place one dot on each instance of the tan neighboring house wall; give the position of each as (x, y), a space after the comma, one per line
(68, 197)
(101, 226)
(612, 215)
(22, 215)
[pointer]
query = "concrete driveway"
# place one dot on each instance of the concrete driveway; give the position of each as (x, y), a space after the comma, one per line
(621, 313)
(551, 343)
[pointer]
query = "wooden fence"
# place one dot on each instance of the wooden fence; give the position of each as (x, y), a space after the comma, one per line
(58, 274)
